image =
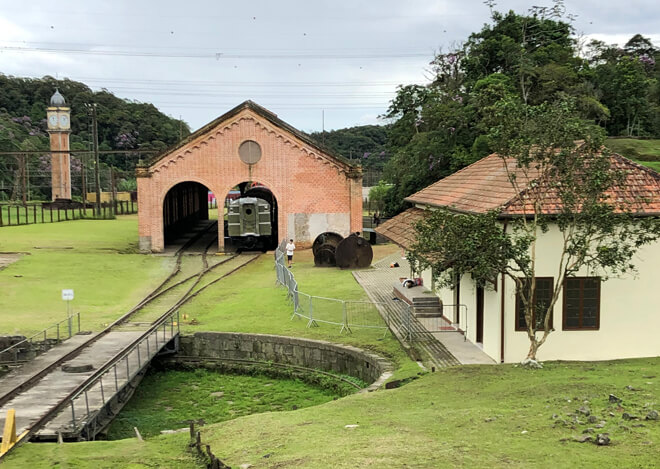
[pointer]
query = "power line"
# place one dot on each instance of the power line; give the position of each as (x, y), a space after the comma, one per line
(218, 56)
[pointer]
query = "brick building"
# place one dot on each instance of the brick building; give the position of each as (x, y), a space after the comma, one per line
(315, 191)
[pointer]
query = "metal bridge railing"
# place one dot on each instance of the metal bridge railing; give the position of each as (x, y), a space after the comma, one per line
(56, 332)
(347, 314)
(117, 374)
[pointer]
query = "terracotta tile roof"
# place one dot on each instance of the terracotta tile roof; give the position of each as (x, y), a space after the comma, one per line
(640, 193)
(401, 228)
(478, 188)
(485, 186)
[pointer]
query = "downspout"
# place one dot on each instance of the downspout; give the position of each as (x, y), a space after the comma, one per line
(502, 288)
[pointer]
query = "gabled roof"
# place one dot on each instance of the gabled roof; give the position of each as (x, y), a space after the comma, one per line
(485, 185)
(267, 115)
(401, 228)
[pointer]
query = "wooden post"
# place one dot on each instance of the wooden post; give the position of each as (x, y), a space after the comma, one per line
(42, 213)
(1, 208)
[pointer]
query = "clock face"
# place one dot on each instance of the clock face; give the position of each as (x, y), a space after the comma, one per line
(64, 121)
(52, 120)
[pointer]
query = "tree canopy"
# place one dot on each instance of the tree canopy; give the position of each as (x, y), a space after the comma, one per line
(534, 57)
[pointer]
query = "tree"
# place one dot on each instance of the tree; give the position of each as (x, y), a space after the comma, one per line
(564, 180)
(378, 194)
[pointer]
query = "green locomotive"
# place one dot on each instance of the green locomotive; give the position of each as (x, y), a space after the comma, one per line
(249, 223)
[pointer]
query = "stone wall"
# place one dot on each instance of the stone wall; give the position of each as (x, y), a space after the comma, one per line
(343, 359)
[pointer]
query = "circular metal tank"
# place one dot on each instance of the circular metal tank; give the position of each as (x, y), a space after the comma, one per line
(354, 252)
(324, 248)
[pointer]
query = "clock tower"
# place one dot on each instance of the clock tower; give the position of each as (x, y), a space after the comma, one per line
(59, 128)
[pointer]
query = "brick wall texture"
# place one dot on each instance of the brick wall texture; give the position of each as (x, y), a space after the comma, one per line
(303, 179)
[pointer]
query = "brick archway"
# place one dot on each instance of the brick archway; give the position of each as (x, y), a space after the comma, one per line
(315, 191)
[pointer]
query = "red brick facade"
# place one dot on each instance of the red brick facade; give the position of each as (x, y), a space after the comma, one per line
(315, 191)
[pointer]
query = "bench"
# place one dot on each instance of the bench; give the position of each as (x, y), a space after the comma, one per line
(425, 304)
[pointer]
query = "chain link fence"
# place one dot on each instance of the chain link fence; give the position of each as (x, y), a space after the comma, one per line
(346, 314)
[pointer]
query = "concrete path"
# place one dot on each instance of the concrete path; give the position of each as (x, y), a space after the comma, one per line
(444, 348)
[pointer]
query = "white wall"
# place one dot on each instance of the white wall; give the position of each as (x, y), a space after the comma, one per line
(629, 312)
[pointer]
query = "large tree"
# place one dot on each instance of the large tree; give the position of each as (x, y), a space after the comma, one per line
(565, 181)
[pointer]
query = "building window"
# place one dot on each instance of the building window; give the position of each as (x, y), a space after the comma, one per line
(581, 303)
(542, 297)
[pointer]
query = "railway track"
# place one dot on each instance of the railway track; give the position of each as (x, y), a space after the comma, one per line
(185, 282)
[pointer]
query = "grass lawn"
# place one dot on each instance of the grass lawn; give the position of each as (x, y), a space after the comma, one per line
(469, 416)
(168, 399)
(97, 258)
(252, 302)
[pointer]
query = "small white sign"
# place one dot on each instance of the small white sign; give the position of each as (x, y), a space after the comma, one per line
(67, 295)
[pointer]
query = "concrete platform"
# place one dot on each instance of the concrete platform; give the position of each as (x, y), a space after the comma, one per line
(446, 348)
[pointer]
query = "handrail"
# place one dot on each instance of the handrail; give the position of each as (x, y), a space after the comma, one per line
(44, 332)
(97, 376)
(89, 382)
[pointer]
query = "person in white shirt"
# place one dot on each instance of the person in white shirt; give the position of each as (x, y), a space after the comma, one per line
(290, 247)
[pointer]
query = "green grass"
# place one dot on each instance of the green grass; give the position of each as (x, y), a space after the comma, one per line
(160, 452)
(169, 399)
(646, 152)
(469, 416)
(252, 302)
(97, 258)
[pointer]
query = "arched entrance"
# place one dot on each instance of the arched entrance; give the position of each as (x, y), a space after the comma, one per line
(251, 218)
(185, 212)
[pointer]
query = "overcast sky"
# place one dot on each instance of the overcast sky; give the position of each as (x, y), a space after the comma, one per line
(300, 59)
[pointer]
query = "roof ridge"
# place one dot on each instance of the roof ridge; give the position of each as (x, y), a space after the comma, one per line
(452, 174)
(270, 116)
(637, 165)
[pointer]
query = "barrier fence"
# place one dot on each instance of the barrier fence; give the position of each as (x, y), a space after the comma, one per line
(31, 213)
(346, 314)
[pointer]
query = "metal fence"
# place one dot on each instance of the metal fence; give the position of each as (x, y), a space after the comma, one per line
(47, 337)
(346, 314)
(31, 213)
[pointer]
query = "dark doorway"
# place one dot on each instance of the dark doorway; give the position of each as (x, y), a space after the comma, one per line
(184, 209)
(480, 315)
(247, 228)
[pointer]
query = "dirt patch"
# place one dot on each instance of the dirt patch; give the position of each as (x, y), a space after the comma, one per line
(7, 258)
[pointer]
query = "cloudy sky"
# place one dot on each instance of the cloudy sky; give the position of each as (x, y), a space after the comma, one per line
(334, 63)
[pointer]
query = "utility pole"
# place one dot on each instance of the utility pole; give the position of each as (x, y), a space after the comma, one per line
(23, 173)
(97, 162)
(113, 182)
(83, 183)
